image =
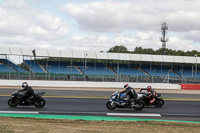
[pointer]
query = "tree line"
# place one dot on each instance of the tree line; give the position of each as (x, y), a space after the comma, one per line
(140, 50)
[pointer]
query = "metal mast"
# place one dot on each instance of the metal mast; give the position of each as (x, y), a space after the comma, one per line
(164, 39)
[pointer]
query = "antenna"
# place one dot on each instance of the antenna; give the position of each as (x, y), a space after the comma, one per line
(164, 39)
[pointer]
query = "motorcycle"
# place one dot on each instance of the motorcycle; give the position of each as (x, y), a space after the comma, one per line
(159, 102)
(17, 98)
(118, 100)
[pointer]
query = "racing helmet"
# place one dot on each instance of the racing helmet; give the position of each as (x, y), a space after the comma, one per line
(149, 88)
(126, 86)
(24, 84)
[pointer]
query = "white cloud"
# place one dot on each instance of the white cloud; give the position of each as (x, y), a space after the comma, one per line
(142, 17)
(176, 43)
(141, 39)
(100, 25)
(104, 43)
(21, 24)
(193, 35)
(117, 16)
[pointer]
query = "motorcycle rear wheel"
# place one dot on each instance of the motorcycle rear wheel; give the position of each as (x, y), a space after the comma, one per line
(40, 103)
(110, 106)
(141, 105)
(12, 103)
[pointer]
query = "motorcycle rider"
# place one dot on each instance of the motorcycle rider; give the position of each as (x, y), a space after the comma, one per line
(131, 92)
(151, 94)
(28, 90)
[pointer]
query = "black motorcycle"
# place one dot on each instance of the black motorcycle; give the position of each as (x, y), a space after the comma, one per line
(159, 102)
(17, 98)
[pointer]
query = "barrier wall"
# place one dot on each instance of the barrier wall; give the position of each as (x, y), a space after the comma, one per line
(190, 86)
(85, 84)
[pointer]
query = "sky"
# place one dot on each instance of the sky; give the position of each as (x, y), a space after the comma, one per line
(98, 25)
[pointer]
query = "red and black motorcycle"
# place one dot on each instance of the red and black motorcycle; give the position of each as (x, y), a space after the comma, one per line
(158, 102)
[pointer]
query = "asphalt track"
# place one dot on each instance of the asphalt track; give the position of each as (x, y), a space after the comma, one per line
(89, 93)
(172, 110)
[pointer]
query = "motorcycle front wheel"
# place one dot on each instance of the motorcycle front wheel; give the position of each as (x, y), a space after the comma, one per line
(110, 105)
(12, 103)
(39, 103)
(159, 103)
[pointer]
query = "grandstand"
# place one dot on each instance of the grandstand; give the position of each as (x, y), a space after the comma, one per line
(97, 66)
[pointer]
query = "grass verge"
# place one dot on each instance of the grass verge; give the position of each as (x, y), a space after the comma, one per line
(38, 125)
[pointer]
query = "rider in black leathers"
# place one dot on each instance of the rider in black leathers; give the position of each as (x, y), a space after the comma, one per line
(28, 90)
(131, 92)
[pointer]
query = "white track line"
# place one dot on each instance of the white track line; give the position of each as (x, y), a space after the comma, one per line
(18, 112)
(132, 114)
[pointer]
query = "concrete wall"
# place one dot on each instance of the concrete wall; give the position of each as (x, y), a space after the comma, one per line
(39, 83)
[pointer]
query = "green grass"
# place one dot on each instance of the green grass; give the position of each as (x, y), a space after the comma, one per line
(37, 125)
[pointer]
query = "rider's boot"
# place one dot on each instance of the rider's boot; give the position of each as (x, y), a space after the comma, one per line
(152, 102)
(133, 103)
(128, 103)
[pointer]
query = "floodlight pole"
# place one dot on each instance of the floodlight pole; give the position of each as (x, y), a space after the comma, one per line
(164, 39)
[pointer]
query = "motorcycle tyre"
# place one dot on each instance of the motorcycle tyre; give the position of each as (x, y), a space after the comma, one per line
(159, 103)
(142, 105)
(109, 106)
(12, 103)
(41, 101)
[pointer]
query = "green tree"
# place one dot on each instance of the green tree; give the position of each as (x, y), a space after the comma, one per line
(118, 49)
(140, 50)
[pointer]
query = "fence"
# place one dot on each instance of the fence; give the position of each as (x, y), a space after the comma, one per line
(98, 78)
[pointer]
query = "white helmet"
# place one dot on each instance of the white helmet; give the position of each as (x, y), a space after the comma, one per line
(126, 86)
(24, 84)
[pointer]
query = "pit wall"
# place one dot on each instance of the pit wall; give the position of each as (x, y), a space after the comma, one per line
(86, 84)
